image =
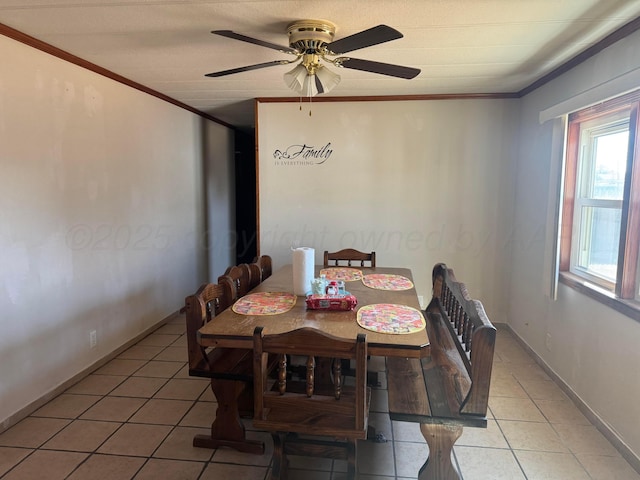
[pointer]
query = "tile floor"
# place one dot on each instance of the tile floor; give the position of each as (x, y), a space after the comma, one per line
(135, 417)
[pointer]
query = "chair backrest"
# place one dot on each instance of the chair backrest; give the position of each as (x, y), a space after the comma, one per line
(265, 264)
(350, 256)
(255, 274)
(237, 280)
(209, 300)
(307, 405)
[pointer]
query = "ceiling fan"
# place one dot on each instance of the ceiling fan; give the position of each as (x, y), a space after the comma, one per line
(311, 41)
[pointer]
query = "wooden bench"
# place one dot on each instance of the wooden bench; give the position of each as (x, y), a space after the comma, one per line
(449, 389)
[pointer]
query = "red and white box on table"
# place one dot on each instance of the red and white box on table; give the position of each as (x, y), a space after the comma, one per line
(331, 302)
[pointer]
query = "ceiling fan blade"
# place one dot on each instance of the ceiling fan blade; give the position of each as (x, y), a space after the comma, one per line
(255, 41)
(378, 67)
(247, 68)
(366, 38)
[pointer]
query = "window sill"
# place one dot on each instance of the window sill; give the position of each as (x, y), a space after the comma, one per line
(629, 308)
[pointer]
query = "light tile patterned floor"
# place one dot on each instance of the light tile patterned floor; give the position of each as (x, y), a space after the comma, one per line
(135, 417)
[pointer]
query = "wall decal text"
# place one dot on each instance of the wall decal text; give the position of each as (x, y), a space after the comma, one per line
(303, 155)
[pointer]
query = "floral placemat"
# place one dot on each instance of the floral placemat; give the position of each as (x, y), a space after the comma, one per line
(265, 303)
(383, 281)
(342, 273)
(390, 318)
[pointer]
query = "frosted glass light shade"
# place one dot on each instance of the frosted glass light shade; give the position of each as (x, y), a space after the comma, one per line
(328, 79)
(295, 78)
(307, 85)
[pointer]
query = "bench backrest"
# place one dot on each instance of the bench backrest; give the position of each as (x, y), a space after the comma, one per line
(473, 336)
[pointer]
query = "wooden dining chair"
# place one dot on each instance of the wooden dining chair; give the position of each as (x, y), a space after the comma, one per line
(265, 264)
(229, 369)
(237, 281)
(350, 256)
(209, 300)
(307, 416)
(255, 275)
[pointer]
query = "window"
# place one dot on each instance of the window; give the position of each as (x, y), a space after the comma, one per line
(600, 230)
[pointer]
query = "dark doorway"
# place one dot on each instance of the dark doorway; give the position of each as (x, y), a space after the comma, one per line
(245, 168)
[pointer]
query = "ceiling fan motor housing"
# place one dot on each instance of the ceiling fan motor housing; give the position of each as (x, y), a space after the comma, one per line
(310, 36)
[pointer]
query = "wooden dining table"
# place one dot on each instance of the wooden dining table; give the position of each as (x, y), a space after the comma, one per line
(235, 330)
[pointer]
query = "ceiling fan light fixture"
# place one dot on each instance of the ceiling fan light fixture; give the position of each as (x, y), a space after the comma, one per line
(295, 78)
(310, 86)
(327, 78)
(308, 82)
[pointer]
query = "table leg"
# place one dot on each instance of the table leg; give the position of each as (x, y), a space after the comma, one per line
(227, 429)
(440, 439)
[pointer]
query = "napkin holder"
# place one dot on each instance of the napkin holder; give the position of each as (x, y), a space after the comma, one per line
(331, 302)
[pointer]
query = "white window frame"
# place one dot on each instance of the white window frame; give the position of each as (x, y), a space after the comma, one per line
(590, 130)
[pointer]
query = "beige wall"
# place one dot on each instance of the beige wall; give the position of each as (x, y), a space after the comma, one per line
(592, 348)
(101, 217)
(418, 182)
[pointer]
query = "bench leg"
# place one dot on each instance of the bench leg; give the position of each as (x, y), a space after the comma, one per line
(227, 430)
(280, 465)
(440, 439)
(352, 460)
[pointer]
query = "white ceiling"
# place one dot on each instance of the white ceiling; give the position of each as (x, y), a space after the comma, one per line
(461, 46)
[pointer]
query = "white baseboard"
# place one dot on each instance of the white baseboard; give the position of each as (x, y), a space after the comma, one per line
(36, 404)
(626, 452)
